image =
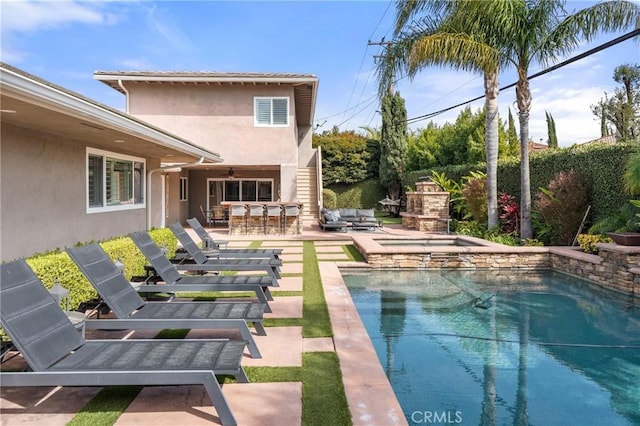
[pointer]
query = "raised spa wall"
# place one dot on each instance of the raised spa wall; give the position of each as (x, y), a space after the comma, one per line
(616, 267)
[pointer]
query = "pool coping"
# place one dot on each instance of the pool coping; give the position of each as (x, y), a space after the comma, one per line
(369, 394)
(367, 244)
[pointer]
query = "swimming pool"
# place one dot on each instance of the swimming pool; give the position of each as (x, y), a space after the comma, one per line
(489, 347)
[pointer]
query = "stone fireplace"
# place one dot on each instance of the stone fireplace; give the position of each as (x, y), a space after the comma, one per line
(427, 208)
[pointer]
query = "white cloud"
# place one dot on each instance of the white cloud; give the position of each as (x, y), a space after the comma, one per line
(164, 25)
(27, 16)
(20, 16)
(571, 111)
(137, 64)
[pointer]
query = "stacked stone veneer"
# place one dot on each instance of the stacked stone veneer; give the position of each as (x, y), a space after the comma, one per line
(427, 208)
(616, 267)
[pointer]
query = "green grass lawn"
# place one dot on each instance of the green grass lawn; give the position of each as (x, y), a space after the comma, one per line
(388, 219)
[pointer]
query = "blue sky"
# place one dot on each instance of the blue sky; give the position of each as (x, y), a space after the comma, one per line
(65, 42)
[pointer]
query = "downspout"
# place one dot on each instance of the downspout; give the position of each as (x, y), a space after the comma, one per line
(126, 95)
(173, 168)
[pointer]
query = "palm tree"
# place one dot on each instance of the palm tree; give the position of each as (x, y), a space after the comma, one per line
(446, 37)
(512, 32)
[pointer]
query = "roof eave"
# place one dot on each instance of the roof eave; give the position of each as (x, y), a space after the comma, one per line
(48, 93)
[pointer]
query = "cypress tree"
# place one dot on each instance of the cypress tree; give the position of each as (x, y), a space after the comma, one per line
(393, 144)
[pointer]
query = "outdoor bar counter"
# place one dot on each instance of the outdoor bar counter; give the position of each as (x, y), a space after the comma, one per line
(264, 217)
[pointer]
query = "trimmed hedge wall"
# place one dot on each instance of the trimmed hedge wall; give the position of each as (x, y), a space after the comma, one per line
(50, 266)
(362, 195)
(600, 165)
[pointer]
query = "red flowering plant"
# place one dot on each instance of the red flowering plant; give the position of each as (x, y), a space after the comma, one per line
(509, 214)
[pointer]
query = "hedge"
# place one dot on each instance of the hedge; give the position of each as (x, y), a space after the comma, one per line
(361, 195)
(600, 165)
(58, 265)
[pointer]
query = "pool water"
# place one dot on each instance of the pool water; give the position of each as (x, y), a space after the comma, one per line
(494, 348)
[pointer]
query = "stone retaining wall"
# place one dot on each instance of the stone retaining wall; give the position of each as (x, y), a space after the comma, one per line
(459, 260)
(616, 267)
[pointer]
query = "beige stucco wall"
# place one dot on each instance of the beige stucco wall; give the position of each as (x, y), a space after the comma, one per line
(220, 118)
(42, 196)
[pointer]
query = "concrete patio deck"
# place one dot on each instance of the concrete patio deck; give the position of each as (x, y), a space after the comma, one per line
(369, 394)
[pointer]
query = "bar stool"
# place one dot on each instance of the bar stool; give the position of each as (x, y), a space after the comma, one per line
(292, 210)
(255, 221)
(237, 218)
(274, 213)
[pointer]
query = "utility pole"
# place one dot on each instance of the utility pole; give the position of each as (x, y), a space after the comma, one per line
(387, 45)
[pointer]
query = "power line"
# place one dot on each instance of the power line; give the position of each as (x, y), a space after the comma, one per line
(364, 55)
(583, 55)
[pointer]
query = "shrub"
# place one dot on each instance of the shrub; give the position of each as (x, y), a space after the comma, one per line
(475, 196)
(329, 198)
(588, 242)
(363, 195)
(471, 228)
(509, 214)
(58, 265)
(562, 206)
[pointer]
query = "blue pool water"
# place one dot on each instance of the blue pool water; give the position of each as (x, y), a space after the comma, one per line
(508, 348)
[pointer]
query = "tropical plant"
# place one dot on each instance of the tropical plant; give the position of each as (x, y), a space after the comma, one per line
(509, 214)
(393, 143)
(490, 35)
(632, 175)
(474, 191)
(562, 205)
(456, 199)
(624, 220)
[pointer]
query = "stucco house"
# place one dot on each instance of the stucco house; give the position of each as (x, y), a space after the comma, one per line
(260, 123)
(74, 170)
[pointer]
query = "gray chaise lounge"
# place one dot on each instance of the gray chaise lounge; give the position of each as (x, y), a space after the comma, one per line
(210, 243)
(134, 313)
(192, 248)
(174, 281)
(204, 264)
(58, 355)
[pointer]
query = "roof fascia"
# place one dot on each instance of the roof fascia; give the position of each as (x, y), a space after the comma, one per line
(205, 79)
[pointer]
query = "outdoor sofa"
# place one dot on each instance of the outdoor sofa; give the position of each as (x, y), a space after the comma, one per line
(344, 218)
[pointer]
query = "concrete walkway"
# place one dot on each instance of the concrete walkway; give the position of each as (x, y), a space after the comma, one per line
(369, 394)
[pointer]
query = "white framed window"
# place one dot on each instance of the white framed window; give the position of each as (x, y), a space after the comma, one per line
(184, 189)
(248, 190)
(271, 112)
(114, 181)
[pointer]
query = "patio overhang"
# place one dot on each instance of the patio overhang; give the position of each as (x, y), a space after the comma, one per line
(305, 85)
(36, 104)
